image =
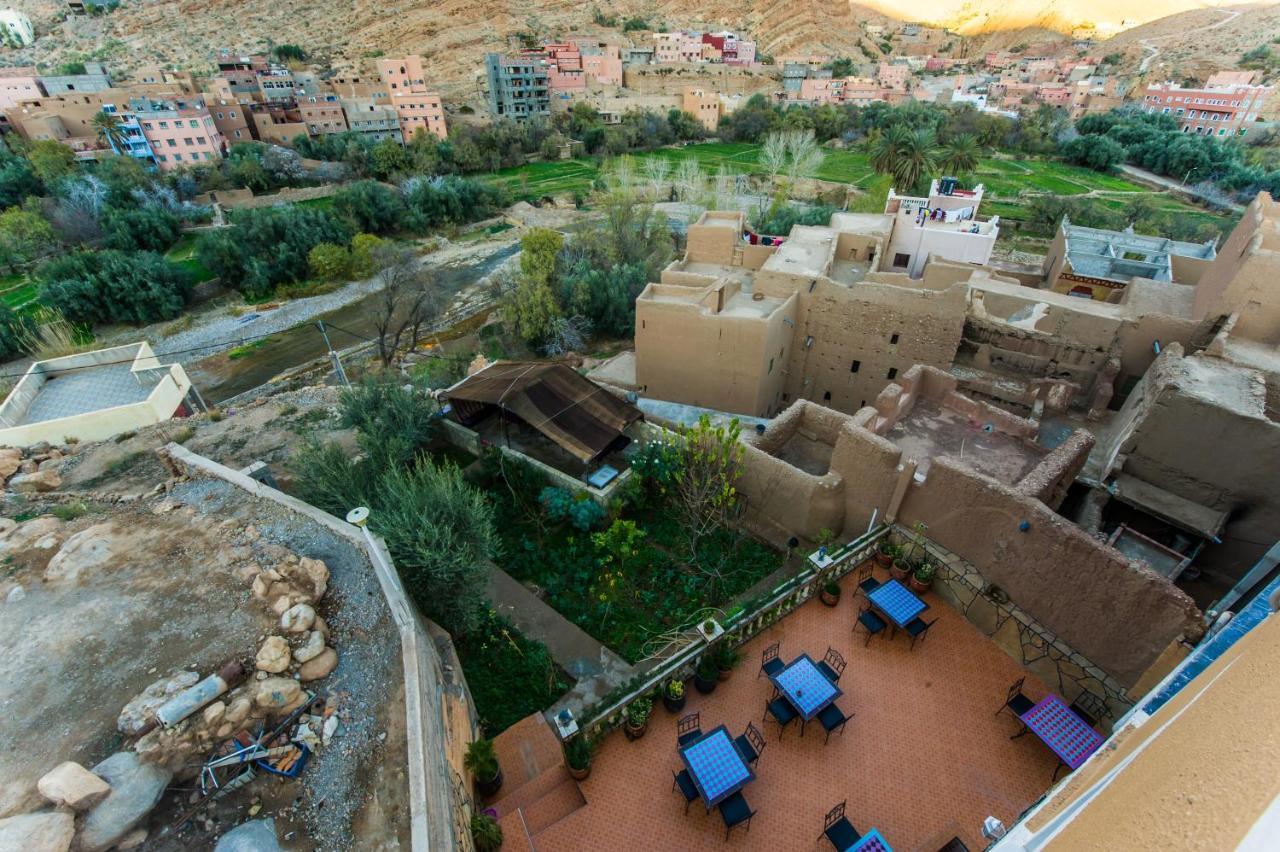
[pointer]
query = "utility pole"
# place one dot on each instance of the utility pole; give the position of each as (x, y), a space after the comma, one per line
(333, 356)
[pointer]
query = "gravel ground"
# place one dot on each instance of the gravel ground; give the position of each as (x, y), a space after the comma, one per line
(341, 777)
(216, 330)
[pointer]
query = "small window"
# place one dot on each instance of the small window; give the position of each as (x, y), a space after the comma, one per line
(893, 372)
(826, 397)
(900, 259)
(893, 339)
(853, 368)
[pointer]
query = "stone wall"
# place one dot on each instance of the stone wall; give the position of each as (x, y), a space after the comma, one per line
(1049, 480)
(1118, 613)
(1036, 648)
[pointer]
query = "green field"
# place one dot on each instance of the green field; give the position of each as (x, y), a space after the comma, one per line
(1009, 183)
(18, 291)
(183, 253)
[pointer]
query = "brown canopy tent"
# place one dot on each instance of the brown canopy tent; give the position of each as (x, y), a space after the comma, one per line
(577, 414)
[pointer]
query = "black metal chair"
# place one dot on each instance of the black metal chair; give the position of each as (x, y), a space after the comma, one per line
(683, 781)
(782, 711)
(918, 628)
(1017, 704)
(832, 717)
(867, 583)
(838, 830)
(1089, 707)
(735, 812)
(688, 729)
(750, 744)
(769, 663)
(870, 622)
(832, 665)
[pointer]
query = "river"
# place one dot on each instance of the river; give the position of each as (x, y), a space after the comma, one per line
(220, 377)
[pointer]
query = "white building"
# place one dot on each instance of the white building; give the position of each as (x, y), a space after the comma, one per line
(94, 396)
(944, 224)
(16, 27)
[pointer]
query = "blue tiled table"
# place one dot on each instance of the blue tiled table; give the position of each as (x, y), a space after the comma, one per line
(717, 769)
(897, 602)
(805, 686)
(871, 842)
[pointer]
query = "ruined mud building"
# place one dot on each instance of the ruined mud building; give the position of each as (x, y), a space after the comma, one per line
(1164, 389)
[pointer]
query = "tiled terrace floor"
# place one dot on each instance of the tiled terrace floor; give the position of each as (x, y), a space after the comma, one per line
(923, 760)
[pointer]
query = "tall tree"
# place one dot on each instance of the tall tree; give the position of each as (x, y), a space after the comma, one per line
(110, 131)
(407, 300)
(904, 154)
(960, 155)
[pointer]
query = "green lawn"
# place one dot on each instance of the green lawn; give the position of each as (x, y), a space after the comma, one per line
(183, 254)
(18, 291)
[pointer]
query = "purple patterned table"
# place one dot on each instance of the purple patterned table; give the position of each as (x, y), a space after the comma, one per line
(1069, 736)
(871, 842)
(805, 686)
(717, 769)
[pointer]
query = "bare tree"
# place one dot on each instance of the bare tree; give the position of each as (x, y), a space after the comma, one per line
(568, 334)
(805, 155)
(656, 169)
(690, 181)
(407, 302)
(725, 182)
(773, 155)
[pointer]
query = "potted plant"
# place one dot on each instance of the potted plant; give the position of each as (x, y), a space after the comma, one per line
(705, 675)
(725, 659)
(830, 593)
(577, 755)
(638, 717)
(673, 696)
(901, 568)
(922, 577)
(710, 629)
(483, 764)
(886, 552)
(486, 834)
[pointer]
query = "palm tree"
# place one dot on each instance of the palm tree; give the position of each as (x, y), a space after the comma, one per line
(904, 154)
(110, 131)
(960, 155)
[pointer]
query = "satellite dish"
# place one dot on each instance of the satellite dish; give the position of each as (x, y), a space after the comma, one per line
(358, 516)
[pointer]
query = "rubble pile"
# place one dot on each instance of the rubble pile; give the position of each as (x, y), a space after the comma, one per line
(35, 469)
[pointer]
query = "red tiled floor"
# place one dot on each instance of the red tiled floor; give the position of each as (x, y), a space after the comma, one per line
(923, 759)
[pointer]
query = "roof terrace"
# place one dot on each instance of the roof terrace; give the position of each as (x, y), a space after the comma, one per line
(1124, 255)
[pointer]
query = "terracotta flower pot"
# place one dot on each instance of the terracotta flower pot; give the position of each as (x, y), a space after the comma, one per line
(579, 774)
(917, 585)
(884, 560)
(828, 598)
(900, 571)
(635, 732)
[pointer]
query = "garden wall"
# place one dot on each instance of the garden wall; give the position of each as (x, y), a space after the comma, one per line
(1115, 612)
(1036, 648)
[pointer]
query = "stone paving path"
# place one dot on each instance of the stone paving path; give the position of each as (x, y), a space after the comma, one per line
(596, 669)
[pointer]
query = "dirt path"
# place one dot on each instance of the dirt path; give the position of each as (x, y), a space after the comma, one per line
(1154, 51)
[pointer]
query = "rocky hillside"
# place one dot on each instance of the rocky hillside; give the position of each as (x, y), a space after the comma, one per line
(185, 33)
(1194, 44)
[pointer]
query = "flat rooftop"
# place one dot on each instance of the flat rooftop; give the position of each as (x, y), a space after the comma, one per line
(805, 252)
(91, 389)
(1122, 255)
(863, 223)
(930, 431)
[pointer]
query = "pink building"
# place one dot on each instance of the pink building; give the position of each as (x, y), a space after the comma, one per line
(1055, 94)
(821, 91)
(603, 69)
(419, 108)
(180, 131)
(861, 91)
(18, 85)
(1209, 111)
(893, 76)
(677, 46)
(564, 68)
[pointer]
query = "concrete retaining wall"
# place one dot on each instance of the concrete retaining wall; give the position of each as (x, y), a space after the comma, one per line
(438, 707)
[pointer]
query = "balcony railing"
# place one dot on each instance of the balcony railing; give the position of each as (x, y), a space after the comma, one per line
(740, 625)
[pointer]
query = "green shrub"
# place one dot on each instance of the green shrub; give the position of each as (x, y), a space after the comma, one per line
(486, 834)
(556, 503)
(586, 514)
(509, 675)
(329, 261)
(114, 286)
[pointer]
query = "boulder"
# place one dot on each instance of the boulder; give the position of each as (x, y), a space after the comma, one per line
(310, 575)
(277, 693)
(320, 666)
(28, 466)
(213, 714)
(298, 618)
(136, 788)
(72, 785)
(259, 835)
(37, 481)
(273, 656)
(46, 832)
(44, 532)
(321, 626)
(311, 650)
(288, 600)
(86, 550)
(10, 461)
(238, 710)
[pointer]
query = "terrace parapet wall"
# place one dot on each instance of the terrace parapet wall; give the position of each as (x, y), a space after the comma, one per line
(1035, 647)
